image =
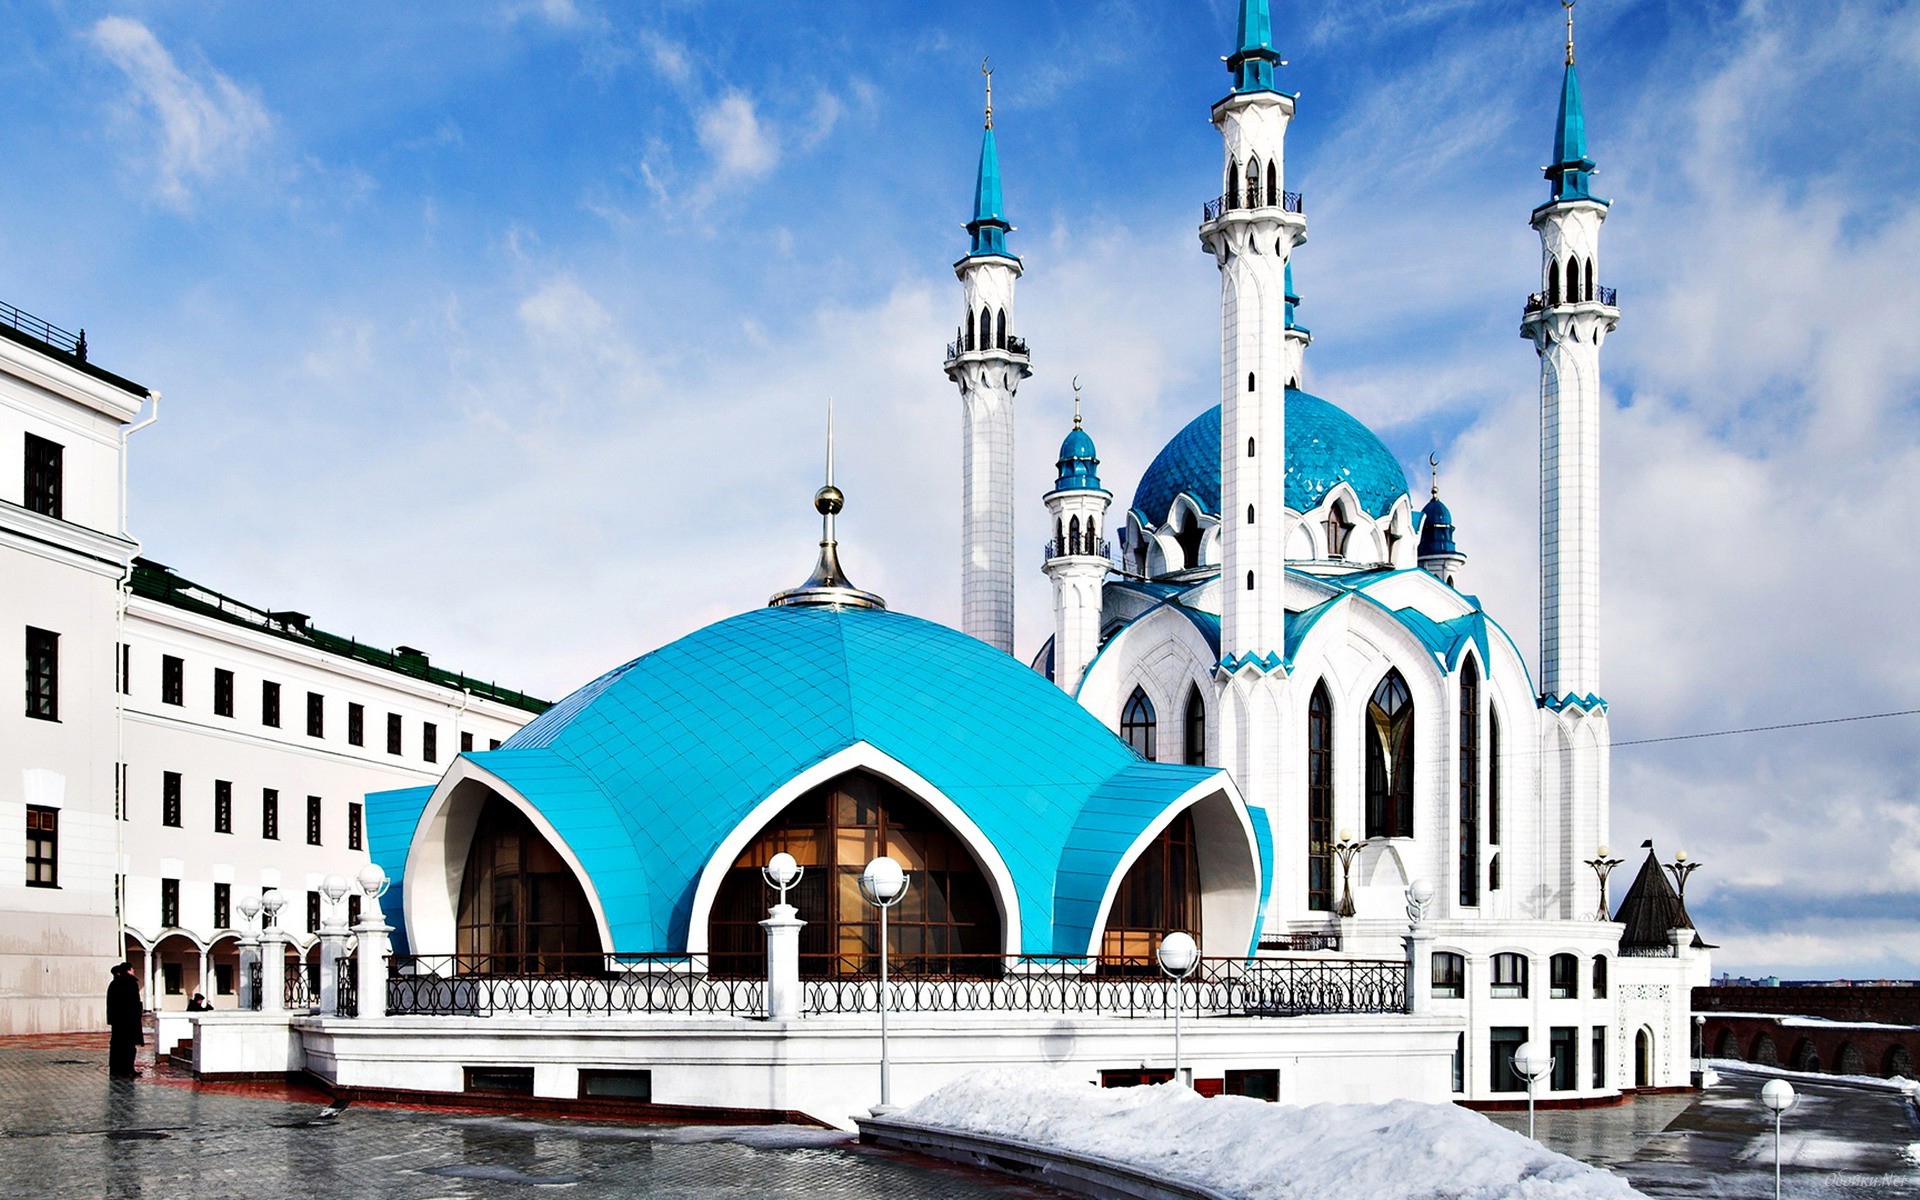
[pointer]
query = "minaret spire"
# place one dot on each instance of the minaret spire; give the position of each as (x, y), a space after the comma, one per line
(1253, 63)
(828, 585)
(1566, 4)
(1571, 171)
(1077, 555)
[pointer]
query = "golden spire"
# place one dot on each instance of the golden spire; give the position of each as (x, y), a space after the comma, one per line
(988, 72)
(1566, 4)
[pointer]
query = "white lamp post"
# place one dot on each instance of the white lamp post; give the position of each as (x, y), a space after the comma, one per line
(1531, 1065)
(884, 884)
(1178, 954)
(273, 954)
(1777, 1095)
(333, 942)
(370, 972)
(783, 925)
(249, 955)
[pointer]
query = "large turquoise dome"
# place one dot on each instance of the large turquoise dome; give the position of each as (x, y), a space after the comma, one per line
(1326, 446)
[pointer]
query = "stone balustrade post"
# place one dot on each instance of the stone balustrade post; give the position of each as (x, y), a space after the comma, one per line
(370, 973)
(1419, 942)
(784, 995)
(249, 956)
(273, 970)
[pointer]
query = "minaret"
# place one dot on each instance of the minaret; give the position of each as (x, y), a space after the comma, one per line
(1438, 554)
(988, 362)
(1251, 231)
(1076, 561)
(1567, 320)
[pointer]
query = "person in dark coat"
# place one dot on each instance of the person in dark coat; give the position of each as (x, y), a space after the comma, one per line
(124, 1015)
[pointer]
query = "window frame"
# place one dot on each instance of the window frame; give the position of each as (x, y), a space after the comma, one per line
(1320, 774)
(43, 477)
(169, 904)
(270, 704)
(429, 741)
(1504, 982)
(1391, 772)
(222, 692)
(1139, 724)
(43, 674)
(223, 806)
(315, 825)
(396, 735)
(270, 814)
(43, 846)
(173, 680)
(356, 724)
(171, 804)
(1563, 977)
(1598, 977)
(313, 911)
(356, 839)
(1448, 984)
(316, 715)
(223, 906)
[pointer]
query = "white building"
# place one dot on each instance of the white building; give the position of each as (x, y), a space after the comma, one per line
(245, 739)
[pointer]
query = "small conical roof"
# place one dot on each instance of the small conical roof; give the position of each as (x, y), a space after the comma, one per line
(1652, 909)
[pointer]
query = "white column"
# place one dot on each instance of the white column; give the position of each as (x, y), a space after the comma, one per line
(333, 948)
(1419, 943)
(273, 971)
(153, 979)
(785, 999)
(371, 970)
(249, 954)
(206, 966)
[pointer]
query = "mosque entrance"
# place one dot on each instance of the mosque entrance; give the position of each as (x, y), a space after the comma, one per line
(947, 924)
(1161, 893)
(522, 912)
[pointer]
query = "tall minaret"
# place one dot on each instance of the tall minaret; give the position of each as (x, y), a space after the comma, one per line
(1251, 232)
(1567, 321)
(1076, 560)
(988, 362)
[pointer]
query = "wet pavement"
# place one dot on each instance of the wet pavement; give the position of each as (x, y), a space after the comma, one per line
(66, 1130)
(1836, 1142)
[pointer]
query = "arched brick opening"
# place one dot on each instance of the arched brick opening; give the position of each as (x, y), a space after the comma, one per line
(1899, 1062)
(1806, 1056)
(1729, 1045)
(1764, 1051)
(1849, 1060)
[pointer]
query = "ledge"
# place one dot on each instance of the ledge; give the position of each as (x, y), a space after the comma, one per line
(1081, 1174)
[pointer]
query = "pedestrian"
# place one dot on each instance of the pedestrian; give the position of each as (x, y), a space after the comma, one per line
(124, 1016)
(199, 1004)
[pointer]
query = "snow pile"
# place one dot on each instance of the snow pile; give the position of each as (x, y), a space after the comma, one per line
(1396, 1151)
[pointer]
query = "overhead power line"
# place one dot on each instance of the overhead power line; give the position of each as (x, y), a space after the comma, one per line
(1688, 737)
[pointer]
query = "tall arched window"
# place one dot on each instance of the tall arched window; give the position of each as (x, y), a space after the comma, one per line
(1249, 447)
(1338, 529)
(1000, 329)
(1073, 536)
(1573, 281)
(1253, 182)
(1196, 730)
(1273, 184)
(1137, 724)
(1160, 893)
(1059, 538)
(1590, 274)
(1189, 539)
(1469, 783)
(522, 911)
(1493, 797)
(1249, 514)
(1233, 184)
(1320, 800)
(1553, 283)
(1389, 734)
(947, 917)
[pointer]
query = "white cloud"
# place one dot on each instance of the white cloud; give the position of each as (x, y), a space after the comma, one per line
(736, 139)
(205, 126)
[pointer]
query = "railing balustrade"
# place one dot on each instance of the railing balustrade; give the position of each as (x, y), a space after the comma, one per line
(302, 991)
(1607, 296)
(1308, 942)
(1015, 345)
(479, 985)
(1104, 550)
(256, 990)
(1212, 210)
(346, 1001)
(68, 343)
(1536, 302)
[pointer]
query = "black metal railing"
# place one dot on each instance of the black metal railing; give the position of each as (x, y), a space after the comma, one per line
(1015, 345)
(67, 343)
(1309, 942)
(302, 990)
(1607, 296)
(1536, 302)
(256, 990)
(479, 985)
(1086, 549)
(1212, 210)
(1666, 951)
(346, 988)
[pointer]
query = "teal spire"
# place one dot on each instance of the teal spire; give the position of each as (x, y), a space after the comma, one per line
(1572, 171)
(989, 225)
(1293, 297)
(1253, 63)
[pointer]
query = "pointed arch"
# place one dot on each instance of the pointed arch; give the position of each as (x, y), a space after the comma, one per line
(1189, 537)
(1073, 536)
(1249, 514)
(1553, 283)
(1253, 182)
(1138, 726)
(1573, 280)
(1273, 183)
(1469, 747)
(1059, 537)
(1320, 799)
(1389, 733)
(969, 339)
(1338, 529)
(1590, 275)
(1196, 728)
(1000, 330)
(1233, 183)
(1494, 766)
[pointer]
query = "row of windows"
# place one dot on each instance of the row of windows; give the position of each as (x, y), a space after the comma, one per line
(987, 330)
(1575, 291)
(1563, 1044)
(1509, 976)
(223, 907)
(172, 814)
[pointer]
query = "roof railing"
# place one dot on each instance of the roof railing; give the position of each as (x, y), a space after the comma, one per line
(54, 336)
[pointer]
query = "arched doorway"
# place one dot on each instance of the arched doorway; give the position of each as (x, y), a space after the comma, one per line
(1806, 1056)
(1160, 893)
(1643, 1059)
(1729, 1046)
(521, 912)
(948, 922)
(1765, 1052)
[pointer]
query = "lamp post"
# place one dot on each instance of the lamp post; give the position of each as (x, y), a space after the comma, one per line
(1178, 954)
(370, 971)
(333, 942)
(1344, 850)
(1603, 866)
(273, 956)
(1681, 869)
(1530, 1065)
(249, 956)
(1777, 1095)
(783, 925)
(884, 884)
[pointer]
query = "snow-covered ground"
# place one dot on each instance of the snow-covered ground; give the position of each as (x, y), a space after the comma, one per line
(1397, 1151)
(1896, 1083)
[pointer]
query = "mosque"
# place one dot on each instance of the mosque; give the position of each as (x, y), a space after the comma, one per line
(1268, 716)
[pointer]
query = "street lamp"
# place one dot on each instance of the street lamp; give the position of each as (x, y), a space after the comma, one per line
(1777, 1095)
(373, 881)
(782, 872)
(1345, 849)
(1178, 954)
(1603, 866)
(271, 902)
(884, 884)
(250, 910)
(1531, 1065)
(335, 889)
(1680, 869)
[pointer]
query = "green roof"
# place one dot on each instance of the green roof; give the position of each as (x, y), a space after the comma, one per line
(156, 582)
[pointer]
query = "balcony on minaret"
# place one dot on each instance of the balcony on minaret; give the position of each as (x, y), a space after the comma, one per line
(1537, 303)
(1011, 347)
(1252, 198)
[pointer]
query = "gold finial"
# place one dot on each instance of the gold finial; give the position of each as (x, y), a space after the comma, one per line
(1076, 402)
(1433, 465)
(988, 72)
(1568, 5)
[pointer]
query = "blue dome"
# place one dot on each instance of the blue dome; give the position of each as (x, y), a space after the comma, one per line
(644, 772)
(1325, 446)
(1078, 463)
(1436, 529)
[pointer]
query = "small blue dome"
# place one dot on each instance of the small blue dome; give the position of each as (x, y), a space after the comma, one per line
(1436, 529)
(1078, 463)
(1326, 446)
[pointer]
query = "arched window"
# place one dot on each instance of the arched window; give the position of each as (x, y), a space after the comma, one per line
(1249, 580)
(1196, 728)
(1249, 447)
(1093, 538)
(1509, 977)
(1137, 724)
(1059, 538)
(1338, 528)
(1553, 283)
(1250, 381)
(1493, 785)
(1249, 514)
(834, 830)
(1273, 184)
(1320, 800)
(1573, 281)
(1469, 784)
(1599, 977)
(966, 337)
(522, 911)
(1449, 975)
(1073, 536)
(1233, 184)
(1160, 893)
(1000, 329)
(1590, 274)
(1253, 182)
(1389, 734)
(1563, 977)
(1189, 539)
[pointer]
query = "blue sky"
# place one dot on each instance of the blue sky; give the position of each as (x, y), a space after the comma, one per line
(504, 329)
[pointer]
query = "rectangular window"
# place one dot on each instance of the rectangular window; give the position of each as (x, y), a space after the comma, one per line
(170, 799)
(430, 741)
(270, 703)
(41, 492)
(1449, 975)
(316, 715)
(270, 814)
(223, 906)
(353, 825)
(623, 1085)
(503, 1081)
(1509, 977)
(43, 846)
(1599, 1056)
(356, 724)
(170, 977)
(43, 674)
(173, 680)
(466, 743)
(169, 903)
(123, 670)
(222, 692)
(313, 820)
(353, 910)
(223, 979)
(393, 733)
(1564, 1045)
(222, 808)
(1259, 1084)
(313, 912)
(1503, 1042)
(1563, 977)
